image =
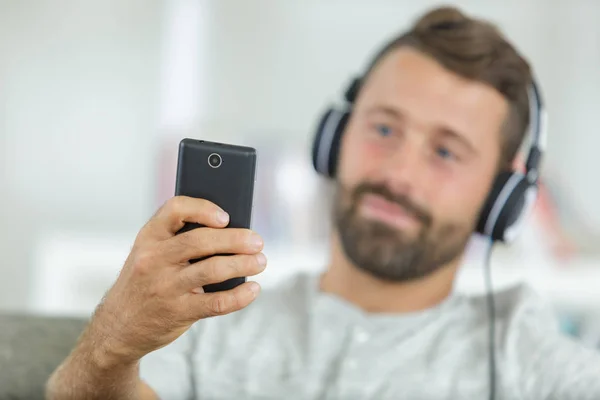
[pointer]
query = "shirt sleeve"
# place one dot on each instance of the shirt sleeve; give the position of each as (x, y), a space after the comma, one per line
(551, 365)
(169, 371)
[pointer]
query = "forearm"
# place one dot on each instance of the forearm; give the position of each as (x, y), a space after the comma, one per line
(90, 373)
(78, 378)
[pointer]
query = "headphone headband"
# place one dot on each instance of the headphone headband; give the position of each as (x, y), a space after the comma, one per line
(537, 132)
(352, 91)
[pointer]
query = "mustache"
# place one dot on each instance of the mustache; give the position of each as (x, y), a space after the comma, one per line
(402, 200)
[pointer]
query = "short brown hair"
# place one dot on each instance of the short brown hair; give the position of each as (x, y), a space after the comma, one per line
(477, 50)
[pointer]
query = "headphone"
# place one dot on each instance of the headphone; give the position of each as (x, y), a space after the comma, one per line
(513, 193)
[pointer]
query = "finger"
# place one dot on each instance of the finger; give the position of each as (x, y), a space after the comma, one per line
(207, 305)
(219, 269)
(204, 242)
(181, 209)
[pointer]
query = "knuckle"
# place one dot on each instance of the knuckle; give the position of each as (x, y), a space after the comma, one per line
(218, 304)
(211, 271)
(188, 280)
(234, 264)
(204, 206)
(174, 205)
(188, 239)
(199, 274)
(241, 236)
(208, 239)
(196, 240)
(234, 301)
(143, 261)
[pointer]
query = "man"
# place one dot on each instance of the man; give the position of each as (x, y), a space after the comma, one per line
(441, 111)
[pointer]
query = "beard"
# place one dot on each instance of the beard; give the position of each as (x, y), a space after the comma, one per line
(387, 252)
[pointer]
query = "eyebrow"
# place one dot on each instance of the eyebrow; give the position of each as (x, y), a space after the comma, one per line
(389, 111)
(452, 134)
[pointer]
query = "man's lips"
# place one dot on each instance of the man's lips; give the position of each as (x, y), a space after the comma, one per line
(377, 207)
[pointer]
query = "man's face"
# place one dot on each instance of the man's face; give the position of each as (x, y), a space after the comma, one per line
(417, 161)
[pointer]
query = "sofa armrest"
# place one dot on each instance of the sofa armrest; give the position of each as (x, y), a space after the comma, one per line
(31, 347)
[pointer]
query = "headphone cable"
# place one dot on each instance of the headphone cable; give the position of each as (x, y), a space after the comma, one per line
(492, 320)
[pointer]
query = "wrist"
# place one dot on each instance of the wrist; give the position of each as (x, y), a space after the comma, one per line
(104, 358)
(103, 351)
(109, 345)
(91, 376)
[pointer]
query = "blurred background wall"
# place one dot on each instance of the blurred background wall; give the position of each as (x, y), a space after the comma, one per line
(94, 97)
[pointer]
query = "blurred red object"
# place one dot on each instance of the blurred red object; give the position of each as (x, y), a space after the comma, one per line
(546, 216)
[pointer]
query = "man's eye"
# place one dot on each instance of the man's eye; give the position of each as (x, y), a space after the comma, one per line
(444, 153)
(383, 130)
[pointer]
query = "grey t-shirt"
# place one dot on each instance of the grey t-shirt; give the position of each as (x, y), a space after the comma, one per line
(296, 342)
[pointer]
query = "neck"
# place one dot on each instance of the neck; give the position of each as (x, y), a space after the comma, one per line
(372, 294)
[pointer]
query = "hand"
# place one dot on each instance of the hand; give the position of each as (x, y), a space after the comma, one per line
(158, 294)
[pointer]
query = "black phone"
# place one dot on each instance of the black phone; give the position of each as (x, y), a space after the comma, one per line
(223, 174)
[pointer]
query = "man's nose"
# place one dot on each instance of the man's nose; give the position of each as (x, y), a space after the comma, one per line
(404, 167)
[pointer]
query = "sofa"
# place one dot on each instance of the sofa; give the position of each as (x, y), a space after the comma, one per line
(31, 347)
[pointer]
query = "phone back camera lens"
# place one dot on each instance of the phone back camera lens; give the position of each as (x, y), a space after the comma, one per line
(214, 160)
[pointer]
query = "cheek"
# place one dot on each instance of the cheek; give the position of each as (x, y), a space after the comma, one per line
(358, 160)
(462, 196)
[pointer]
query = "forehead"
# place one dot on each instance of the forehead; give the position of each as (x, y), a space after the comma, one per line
(425, 91)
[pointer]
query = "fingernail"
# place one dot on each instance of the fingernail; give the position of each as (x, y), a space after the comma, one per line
(262, 260)
(256, 241)
(222, 217)
(254, 288)
(198, 290)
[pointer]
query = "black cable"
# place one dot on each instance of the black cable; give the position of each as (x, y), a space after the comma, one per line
(492, 320)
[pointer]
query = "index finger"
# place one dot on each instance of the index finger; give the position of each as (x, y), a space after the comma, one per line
(179, 210)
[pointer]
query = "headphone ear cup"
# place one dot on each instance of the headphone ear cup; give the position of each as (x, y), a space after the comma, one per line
(327, 140)
(522, 210)
(505, 208)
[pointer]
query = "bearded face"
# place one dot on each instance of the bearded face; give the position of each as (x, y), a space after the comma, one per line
(383, 248)
(416, 163)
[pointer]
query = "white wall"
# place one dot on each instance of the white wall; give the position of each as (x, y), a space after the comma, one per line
(273, 65)
(79, 103)
(90, 90)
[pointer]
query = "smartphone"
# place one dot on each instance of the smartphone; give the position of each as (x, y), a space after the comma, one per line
(223, 174)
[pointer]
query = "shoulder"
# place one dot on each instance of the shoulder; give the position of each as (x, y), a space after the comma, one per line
(522, 318)
(536, 357)
(514, 307)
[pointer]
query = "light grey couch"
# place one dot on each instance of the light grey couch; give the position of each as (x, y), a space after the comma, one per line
(31, 347)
